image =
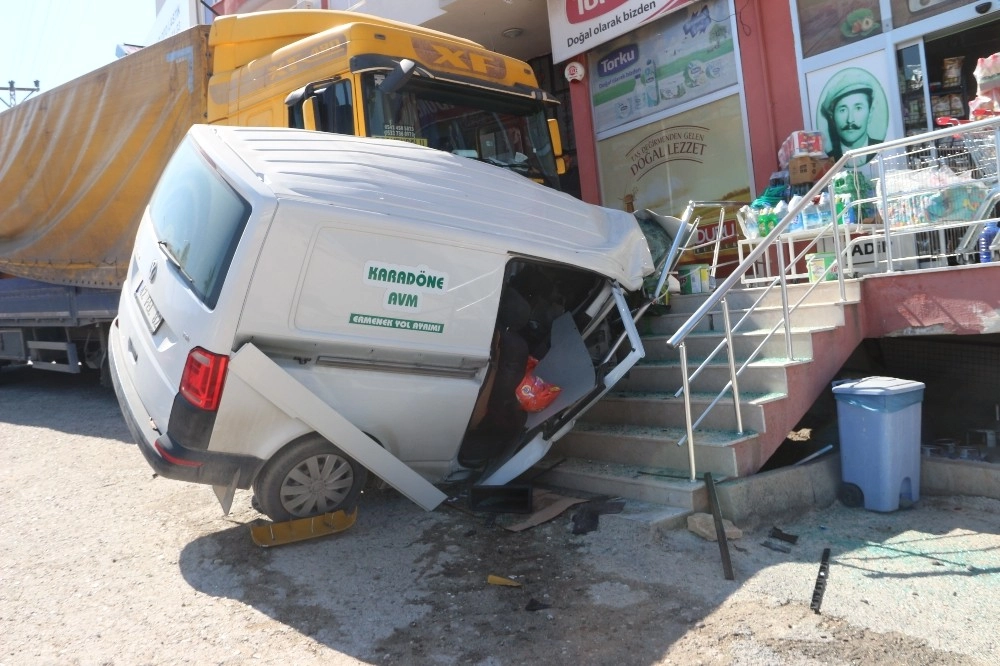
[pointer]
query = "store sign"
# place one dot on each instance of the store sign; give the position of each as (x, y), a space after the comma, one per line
(576, 26)
(675, 61)
(698, 155)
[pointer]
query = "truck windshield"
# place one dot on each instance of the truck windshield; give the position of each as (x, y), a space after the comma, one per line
(510, 132)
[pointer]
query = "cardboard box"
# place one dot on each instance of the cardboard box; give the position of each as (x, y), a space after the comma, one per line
(807, 169)
(800, 144)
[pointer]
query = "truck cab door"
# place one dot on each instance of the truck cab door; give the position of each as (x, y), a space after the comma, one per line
(323, 106)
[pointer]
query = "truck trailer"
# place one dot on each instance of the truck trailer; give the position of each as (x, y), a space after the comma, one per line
(79, 163)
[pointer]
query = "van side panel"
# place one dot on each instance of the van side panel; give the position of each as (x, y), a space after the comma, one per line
(370, 322)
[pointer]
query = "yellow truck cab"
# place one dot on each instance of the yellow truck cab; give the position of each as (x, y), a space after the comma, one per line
(368, 76)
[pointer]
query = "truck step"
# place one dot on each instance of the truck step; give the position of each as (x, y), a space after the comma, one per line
(53, 356)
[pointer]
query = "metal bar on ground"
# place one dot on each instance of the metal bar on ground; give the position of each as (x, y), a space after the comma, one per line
(720, 529)
(821, 578)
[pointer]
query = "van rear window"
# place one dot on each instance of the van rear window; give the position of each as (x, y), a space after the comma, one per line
(199, 219)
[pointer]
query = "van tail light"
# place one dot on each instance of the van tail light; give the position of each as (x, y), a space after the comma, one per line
(203, 378)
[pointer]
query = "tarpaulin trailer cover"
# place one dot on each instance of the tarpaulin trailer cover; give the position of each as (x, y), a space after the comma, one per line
(78, 163)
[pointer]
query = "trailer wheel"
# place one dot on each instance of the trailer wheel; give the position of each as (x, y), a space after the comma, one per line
(309, 477)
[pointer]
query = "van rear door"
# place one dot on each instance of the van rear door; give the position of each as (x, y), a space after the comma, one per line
(183, 251)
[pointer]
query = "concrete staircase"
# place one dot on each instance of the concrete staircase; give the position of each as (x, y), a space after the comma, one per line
(627, 445)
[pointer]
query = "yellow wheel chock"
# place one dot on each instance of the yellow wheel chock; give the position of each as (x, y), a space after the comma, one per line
(301, 529)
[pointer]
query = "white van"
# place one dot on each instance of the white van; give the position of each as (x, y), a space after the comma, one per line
(304, 308)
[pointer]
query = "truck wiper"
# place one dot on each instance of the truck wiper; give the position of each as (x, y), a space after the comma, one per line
(165, 247)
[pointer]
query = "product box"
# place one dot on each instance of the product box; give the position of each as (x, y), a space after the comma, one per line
(800, 144)
(807, 169)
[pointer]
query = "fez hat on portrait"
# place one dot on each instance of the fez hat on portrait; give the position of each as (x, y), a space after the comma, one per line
(844, 84)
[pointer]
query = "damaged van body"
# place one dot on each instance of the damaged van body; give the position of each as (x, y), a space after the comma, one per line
(303, 309)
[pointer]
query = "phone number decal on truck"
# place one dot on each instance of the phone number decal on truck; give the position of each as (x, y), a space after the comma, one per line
(392, 322)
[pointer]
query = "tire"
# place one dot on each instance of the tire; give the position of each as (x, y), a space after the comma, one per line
(307, 478)
(850, 495)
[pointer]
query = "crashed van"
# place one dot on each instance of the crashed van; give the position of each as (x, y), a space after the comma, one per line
(303, 310)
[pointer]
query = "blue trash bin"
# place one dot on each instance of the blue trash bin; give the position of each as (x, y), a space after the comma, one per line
(879, 423)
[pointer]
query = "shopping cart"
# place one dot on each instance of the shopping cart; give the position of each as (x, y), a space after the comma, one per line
(980, 147)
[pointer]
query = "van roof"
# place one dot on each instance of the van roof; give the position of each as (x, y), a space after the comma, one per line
(456, 199)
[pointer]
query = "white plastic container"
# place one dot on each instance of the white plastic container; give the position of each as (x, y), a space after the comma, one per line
(879, 423)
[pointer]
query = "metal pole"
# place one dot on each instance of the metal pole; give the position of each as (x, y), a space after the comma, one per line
(837, 247)
(885, 213)
(687, 409)
(784, 302)
(732, 366)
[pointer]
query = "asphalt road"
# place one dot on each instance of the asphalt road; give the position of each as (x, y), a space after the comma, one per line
(101, 563)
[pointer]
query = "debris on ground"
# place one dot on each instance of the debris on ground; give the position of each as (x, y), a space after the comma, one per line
(502, 581)
(587, 516)
(703, 524)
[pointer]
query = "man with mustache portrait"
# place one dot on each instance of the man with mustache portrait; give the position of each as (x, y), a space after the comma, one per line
(847, 109)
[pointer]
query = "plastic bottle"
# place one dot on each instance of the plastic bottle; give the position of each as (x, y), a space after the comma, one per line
(650, 84)
(638, 95)
(846, 213)
(765, 221)
(796, 224)
(810, 216)
(825, 215)
(779, 212)
(986, 237)
(751, 228)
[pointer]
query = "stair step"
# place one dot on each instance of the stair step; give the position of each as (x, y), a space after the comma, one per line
(662, 409)
(659, 486)
(725, 453)
(740, 298)
(823, 315)
(702, 343)
(761, 376)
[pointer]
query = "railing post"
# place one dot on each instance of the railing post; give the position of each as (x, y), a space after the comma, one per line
(732, 366)
(687, 409)
(784, 302)
(884, 187)
(837, 247)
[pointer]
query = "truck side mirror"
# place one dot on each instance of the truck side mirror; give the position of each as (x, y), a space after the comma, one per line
(557, 147)
(398, 77)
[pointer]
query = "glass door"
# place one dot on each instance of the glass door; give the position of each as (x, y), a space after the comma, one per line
(911, 70)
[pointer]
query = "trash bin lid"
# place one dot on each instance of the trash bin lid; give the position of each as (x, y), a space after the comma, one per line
(876, 386)
(880, 394)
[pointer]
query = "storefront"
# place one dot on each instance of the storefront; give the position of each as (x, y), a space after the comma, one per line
(913, 60)
(669, 108)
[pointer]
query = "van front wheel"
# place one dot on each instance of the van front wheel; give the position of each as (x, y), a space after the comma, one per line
(309, 477)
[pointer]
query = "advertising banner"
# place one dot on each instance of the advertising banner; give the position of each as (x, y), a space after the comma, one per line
(905, 12)
(697, 155)
(679, 59)
(576, 26)
(825, 25)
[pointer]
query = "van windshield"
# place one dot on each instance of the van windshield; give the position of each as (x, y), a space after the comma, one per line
(198, 220)
(503, 130)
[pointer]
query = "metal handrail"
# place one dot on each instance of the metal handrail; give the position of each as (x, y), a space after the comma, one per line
(720, 294)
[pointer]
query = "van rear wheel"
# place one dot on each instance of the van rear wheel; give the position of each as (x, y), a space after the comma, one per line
(308, 478)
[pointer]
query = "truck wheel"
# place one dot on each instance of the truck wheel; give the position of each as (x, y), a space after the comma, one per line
(307, 478)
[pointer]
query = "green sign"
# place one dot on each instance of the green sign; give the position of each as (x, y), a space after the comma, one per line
(393, 322)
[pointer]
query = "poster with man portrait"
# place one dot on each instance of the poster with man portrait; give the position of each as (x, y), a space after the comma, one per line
(849, 104)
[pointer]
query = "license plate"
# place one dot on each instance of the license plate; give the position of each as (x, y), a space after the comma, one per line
(148, 308)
